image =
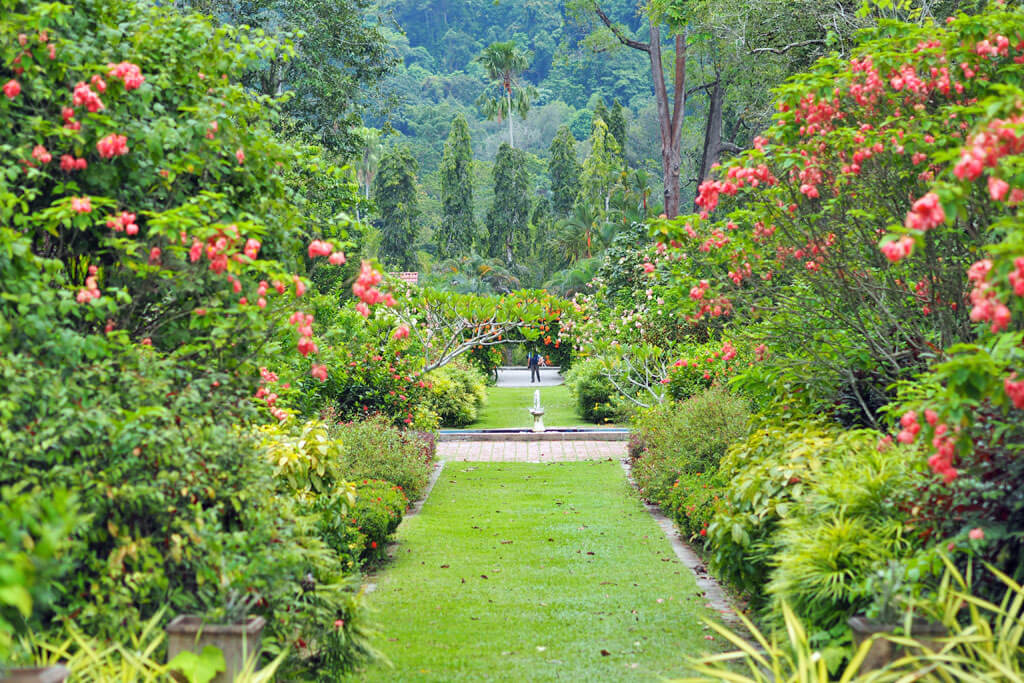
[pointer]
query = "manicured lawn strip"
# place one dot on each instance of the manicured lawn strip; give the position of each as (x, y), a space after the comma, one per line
(574, 566)
(508, 407)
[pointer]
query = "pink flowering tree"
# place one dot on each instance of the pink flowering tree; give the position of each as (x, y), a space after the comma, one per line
(155, 235)
(833, 241)
(872, 241)
(160, 192)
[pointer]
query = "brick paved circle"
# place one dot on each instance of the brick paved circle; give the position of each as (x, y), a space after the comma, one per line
(530, 451)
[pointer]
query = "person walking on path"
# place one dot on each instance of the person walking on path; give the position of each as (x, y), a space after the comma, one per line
(533, 362)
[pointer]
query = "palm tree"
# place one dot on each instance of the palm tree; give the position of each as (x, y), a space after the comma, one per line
(573, 280)
(474, 274)
(369, 160)
(585, 234)
(504, 63)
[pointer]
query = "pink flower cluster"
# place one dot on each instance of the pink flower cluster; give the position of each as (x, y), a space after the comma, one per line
(985, 149)
(124, 223)
(1016, 277)
(899, 249)
(698, 291)
(83, 96)
(365, 287)
(926, 213)
(12, 88)
(1014, 390)
(319, 372)
(69, 163)
(941, 462)
(304, 325)
(735, 178)
(268, 396)
(129, 73)
(986, 306)
(68, 114)
(91, 291)
(40, 154)
(81, 205)
(112, 146)
(401, 332)
(320, 248)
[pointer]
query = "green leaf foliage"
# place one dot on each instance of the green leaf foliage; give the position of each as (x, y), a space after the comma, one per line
(395, 193)
(458, 228)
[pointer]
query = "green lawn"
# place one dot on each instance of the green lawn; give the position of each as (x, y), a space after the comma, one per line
(531, 572)
(509, 407)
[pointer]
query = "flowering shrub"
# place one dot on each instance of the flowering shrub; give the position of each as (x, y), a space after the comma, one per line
(852, 224)
(150, 227)
(376, 514)
(677, 467)
(373, 449)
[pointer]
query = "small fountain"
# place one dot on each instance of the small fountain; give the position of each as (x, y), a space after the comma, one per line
(537, 412)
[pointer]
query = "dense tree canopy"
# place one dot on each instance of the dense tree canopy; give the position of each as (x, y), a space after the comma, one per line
(458, 228)
(340, 56)
(508, 219)
(396, 196)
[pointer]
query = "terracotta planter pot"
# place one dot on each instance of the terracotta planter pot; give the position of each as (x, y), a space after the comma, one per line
(42, 674)
(240, 643)
(882, 651)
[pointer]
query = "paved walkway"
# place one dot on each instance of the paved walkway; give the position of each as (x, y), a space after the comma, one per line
(520, 377)
(530, 451)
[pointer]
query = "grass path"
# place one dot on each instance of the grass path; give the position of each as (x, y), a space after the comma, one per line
(531, 573)
(507, 407)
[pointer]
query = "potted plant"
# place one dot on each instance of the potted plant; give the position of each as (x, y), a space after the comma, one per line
(35, 674)
(891, 614)
(231, 630)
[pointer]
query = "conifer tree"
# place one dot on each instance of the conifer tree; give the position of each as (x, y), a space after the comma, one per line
(394, 191)
(600, 169)
(508, 221)
(564, 170)
(617, 125)
(455, 236)
(600, 113)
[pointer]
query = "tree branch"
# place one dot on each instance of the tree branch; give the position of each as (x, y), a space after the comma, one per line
(786, 48)
(628, 42)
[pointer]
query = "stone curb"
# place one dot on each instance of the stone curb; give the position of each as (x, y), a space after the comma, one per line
(370, 580)
(595, 435)
(712, 591)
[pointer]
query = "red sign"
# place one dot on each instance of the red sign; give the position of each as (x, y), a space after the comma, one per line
(411, 277)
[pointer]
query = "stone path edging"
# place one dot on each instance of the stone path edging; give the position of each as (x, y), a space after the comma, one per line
(594, 435)
(370, 582)
(713, 592)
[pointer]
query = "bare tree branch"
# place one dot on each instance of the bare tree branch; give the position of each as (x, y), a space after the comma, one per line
(786, 48)
(622, 38)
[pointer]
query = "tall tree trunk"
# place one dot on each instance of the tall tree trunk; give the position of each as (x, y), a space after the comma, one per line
(508, 95)
(712, 132)
(670, 114)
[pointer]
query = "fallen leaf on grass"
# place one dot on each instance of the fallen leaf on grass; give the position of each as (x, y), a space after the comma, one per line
(445, 566)
(605, 653)
(505, 542)
(483, 576)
